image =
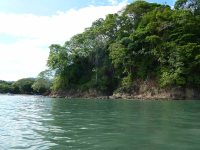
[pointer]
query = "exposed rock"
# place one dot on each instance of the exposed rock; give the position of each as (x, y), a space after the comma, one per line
(103, 97)
(146, 90)
(149, 90)
(47, 93)
(172, 93)
(112, 97)
(76, 94)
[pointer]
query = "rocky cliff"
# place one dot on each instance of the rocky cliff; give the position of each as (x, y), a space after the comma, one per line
(147, 90)
(76, 94)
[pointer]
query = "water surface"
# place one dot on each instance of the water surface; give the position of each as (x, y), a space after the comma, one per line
(28, 122)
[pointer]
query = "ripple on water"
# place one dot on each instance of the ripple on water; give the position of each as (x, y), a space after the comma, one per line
(28, 122)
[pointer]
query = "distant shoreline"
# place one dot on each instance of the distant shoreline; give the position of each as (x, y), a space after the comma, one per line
(19, 94)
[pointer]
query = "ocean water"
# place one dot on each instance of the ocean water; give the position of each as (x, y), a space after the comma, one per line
(28, 122)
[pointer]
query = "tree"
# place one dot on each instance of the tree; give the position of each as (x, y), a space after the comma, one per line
(138, 9)
(43, 81)
(194, 5)
(5, 87)
(23, 86)
(142, 41)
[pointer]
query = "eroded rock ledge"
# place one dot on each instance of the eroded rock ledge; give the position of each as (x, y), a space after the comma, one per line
(76, 94)
(174, 93)
(143, 91)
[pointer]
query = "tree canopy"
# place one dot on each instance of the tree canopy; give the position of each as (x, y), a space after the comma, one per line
(143, 40)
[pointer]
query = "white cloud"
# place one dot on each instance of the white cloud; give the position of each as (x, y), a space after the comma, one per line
(19, 60)
(27, 57)
(113, 2)
(125, 1)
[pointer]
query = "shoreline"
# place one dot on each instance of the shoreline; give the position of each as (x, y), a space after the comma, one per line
(142, 99)
(105, 98)
(113, 97)
(144, 92)
(19, 94)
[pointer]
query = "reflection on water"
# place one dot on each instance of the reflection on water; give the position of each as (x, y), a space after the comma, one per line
(42, 123)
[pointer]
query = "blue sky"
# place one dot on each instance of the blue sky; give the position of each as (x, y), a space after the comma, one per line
(29, 27)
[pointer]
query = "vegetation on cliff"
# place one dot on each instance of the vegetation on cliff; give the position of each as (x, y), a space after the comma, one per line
(144, 40)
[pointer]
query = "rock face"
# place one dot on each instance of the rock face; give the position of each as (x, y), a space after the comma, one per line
(76, 94)
(174, 93)
(147, 90)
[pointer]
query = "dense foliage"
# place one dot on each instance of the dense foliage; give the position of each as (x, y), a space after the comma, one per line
(144, 40)
(5, 87)
(42, 83)
(22, 86)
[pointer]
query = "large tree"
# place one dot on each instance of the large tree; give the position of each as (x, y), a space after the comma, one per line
(194, 5)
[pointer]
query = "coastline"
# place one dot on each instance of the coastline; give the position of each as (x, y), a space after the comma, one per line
(19, 94)
(120, 98)
(111, 97)
(138, 91)
(155, 94)
(144, 92)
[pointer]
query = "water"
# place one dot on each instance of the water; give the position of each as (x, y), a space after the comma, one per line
(82, 124)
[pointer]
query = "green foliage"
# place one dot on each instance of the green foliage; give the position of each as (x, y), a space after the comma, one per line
(42, 82)
(168, 79)
(122, 89)
(127, 80)
(193, 5)
(137, 9)
(23, 86)
(4, 82)
(143, 40)
(117, 54)
(5, 87)
(145, 67)
(58, 83)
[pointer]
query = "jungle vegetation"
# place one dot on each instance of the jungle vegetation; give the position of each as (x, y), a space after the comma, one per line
(26, 86)
(142, 41)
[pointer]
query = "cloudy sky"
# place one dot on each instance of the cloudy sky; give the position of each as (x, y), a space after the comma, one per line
(29, 27)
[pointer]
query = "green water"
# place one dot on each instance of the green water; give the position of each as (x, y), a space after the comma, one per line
(82, 124)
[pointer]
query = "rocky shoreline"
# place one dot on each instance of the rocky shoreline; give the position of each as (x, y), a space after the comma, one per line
(146, 91)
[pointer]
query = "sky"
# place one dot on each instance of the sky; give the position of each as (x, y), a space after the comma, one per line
(29, 27)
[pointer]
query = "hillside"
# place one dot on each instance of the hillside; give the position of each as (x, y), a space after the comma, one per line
(144, 41)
